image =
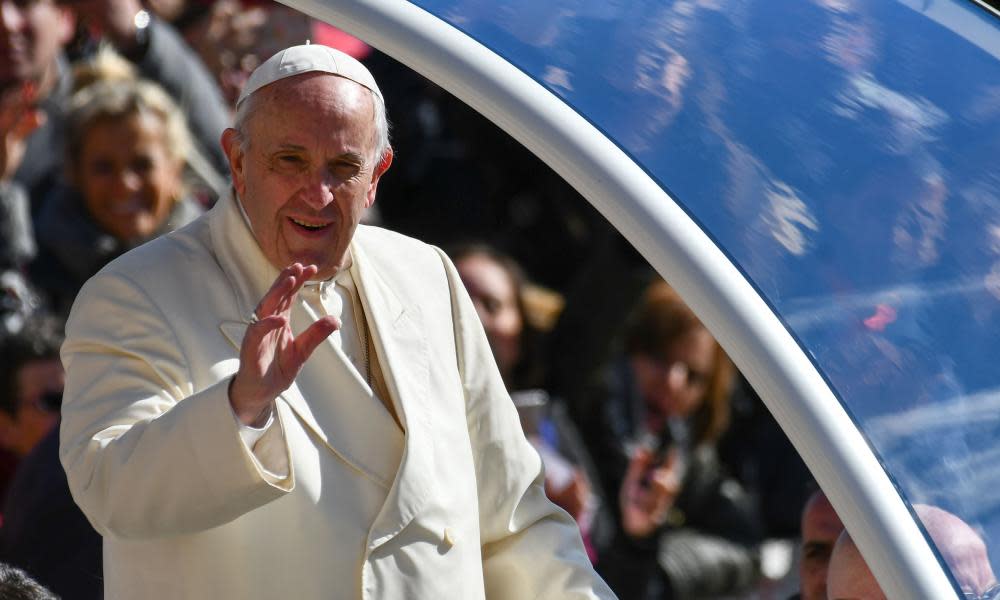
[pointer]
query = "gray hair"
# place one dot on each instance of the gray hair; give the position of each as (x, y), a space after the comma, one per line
(249, 106)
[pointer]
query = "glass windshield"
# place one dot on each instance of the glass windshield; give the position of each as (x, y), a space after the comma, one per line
(841, 153)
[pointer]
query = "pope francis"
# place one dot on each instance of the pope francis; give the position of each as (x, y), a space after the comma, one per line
(275, 402)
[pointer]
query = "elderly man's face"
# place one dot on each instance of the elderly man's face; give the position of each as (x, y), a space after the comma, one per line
(308, 170)
(820, 528)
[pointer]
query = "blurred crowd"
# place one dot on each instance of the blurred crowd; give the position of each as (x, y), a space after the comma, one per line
(111, 113)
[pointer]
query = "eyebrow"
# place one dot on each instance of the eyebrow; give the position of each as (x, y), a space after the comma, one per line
(350, 155)
(353, 156)
(816, 544)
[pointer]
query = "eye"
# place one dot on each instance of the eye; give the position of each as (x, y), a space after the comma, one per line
(817, 551)
(290, 162)
(142, 164)
(101, 167)
(696, 378)
(492, 305)
(344, 170)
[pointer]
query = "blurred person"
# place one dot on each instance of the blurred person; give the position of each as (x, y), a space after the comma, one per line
(18, 297)
(685, 528)
(32, 35)
(33, 39)
(233, 37)
(15, 584)
(31, 381)
(820, 529)
(43, 530)
(105, 65)
(849, 577)
(17, 121)
(497, 286)
(962, 549)
(127, 145)
(277, 402)
(160, 54)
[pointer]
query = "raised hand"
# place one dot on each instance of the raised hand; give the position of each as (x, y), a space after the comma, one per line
(18, 118)
(648, 492)
(271, 355)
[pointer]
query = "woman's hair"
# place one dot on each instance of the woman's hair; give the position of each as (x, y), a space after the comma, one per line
(527, 373)
(660, 320)
(112, 99)
(104, 65)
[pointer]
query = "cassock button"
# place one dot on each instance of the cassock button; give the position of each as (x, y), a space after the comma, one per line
(449, 537)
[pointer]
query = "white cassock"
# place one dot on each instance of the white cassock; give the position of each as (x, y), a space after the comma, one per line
(337, 498)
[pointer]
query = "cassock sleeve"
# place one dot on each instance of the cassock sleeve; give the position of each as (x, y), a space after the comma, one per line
(145, 454)
(530, 547)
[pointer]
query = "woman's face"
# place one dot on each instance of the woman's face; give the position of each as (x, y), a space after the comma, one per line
(128, 179)
(495, 299)
(674, 384)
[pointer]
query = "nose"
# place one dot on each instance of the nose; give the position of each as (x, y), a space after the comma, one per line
(10, 16)
(318, 192)
(677, 376)
(129, 181)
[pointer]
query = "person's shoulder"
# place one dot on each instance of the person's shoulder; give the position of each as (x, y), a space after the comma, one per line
(402, 260)
(392, 248)
(182, 253)
(380, 239)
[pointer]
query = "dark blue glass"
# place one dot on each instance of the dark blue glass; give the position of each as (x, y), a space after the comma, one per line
(843, 154)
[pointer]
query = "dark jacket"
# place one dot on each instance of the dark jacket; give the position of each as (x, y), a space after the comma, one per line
(707, 547)
(72, 248)
(45, 533)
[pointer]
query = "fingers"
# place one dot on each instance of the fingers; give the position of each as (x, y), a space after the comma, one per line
(279, 298)
(308, 340)
(637, 466)
(256, 332)
(664, 483)
(640, 461)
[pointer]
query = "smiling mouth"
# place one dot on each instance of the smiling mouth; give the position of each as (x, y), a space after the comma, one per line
(309, 226)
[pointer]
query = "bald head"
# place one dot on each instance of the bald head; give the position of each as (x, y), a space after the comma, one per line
(960, 546)
(849, 577)
(820, 528)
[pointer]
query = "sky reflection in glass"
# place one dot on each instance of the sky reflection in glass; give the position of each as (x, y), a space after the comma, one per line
(842, 153)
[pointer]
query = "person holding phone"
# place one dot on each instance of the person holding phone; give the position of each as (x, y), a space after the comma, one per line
(685, 529)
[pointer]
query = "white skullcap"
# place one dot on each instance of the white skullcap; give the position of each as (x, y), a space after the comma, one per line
(307, 59)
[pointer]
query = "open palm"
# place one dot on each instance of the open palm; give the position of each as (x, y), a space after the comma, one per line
(271, 356)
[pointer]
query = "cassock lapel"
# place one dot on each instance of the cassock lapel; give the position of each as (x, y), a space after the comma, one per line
(251, 275)
(339, 445)
(402, 351)
(399, 343)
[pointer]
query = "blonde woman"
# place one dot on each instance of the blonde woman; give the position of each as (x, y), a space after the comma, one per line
(127, 147)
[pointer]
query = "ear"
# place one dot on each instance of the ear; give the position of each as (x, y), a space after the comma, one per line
(380, 168)
(234, 153)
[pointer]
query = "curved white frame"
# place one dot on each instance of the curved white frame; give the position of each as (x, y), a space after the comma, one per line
(765, 352)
